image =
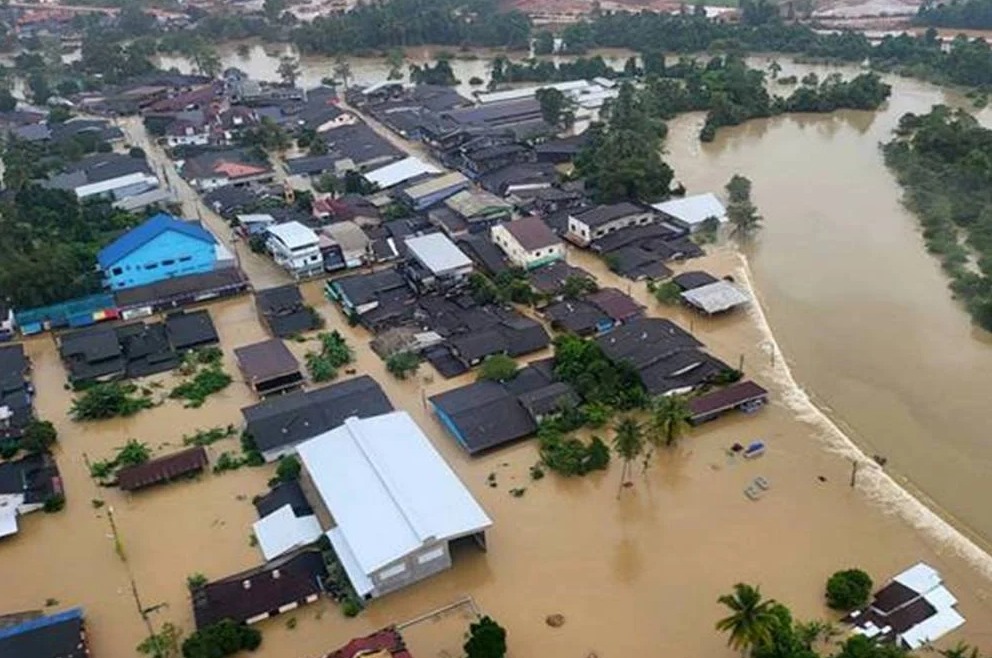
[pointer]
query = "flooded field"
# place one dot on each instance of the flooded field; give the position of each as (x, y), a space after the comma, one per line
(636, 574)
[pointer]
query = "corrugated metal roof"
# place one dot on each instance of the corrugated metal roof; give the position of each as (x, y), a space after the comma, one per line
(451, 179)
(437, 252)
(397, 172)
(409, 498)
(282, 531)
(716, 297)
(293, 234)
(693, 209)
(143, 233)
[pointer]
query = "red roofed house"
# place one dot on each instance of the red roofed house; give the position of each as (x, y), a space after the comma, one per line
(213, 169)
(387, 643)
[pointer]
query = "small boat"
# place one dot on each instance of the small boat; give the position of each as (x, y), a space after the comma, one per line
(754, 449)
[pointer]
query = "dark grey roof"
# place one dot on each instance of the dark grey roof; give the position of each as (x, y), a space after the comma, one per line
(497, 113)
(284, 493)
(500, 180)
(576, 316)
(694, 279)
(362, 144)
(284, 311)
(483, 252)
(479, 344)
(528, 379)
(35, 476)
(600, 215)
(524, 336)
(146, 348)
(486, 415)
(183, 289)
(551, 277)
(550, 399)
(14, 387)
(55, 636)
(189, 330)
(266, 360)
(643, 341)
(92, 353)
(637, 234)
(295, 417)
(204, 163)
(679, 370)
(312, 165)
(95, 169)
(364, 288)
(636, 263)
(565, 146)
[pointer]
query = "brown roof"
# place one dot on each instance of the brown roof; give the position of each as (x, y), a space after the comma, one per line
(385, 643)
(893, 596)
(532, 233)
(261, 590)
(615, 304)
(266, 360)
(162, 469)
(726, 398)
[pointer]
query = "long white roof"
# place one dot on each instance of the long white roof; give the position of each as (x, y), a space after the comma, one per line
(932, 628)
(921, 578)
(694, 209)
(398, 172)
(716, 297)
(293, 234)
(437, 252)
(388, 489)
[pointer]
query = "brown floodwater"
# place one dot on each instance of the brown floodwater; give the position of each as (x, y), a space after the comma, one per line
(862, 312)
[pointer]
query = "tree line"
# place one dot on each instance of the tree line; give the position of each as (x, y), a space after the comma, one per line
(941, 160)
(972, 14)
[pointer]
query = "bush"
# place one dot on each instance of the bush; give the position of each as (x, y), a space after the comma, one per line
(403, 364)
(195, 581)
(351, 608)
(486, 639)
(225, 638)
(54, 503)
(108, 400)
(39, 436)
(498, 368)
(204, 383)
(849, 589)
(288, 469)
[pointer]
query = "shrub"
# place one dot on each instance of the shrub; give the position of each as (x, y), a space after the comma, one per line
(225, 638)
(486, 639)
(54, 503)
(108, 400)
(204, 383)
(350, 608)
(403, 364)
(195, 581)
(288, 469)
(848, 589)
(39, 436)
(498, 368)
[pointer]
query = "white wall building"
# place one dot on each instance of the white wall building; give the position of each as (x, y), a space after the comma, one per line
(528, 242)
(391, 504)
(295, 248)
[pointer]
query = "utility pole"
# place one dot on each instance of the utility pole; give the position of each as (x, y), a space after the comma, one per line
(854, 472)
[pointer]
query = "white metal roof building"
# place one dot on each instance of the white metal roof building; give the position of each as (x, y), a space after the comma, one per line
(692, 211)
(282, 531)
(571, 88)
(400, 172)
(294, 235)
(395, 503)
(716, 297)
(438, 253)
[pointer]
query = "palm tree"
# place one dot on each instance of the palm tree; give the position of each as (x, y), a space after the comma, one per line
(775, 68)
(289, 69)
(961, 650)
(629, 444)
(752, 619)
(745, 219)
(671, 416)
(395, 59)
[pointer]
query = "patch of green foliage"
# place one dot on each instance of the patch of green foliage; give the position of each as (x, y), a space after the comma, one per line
(207, 381)
(594, 377)
(848, 589)
(334, 353)
(225, 638)
(108, 400)
(209, 436)
(403, 364)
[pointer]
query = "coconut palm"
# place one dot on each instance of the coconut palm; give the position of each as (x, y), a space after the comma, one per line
(629, 444)
(961, 650)
(670, 419)
(752, 619)
(342, 70)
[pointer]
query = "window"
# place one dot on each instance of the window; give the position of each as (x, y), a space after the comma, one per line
(151, 266)
(431, 555)
(392, 572)
(168, 263)
(185, 259)
(117, 271)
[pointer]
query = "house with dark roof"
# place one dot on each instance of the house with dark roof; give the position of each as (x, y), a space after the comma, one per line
(360, 293)
(25, 485)
(182, 291)
(146, 349)
(279, 424)
(111, 176)
(256, 594)
(578, 317)
(526, 177)
(211, 169)
(528, 242)
(190, 330)
(585, 226)
(693, 279)
(484, 415)
(61, 635)
(283, 494)
(551, 278)
(512, 336)
(558, 151)
(667, 358)
(16, 392)
(481, 250)
(363, 146)
(387, 643)
(93, 354)
(166, 468)
(618, 306)
(283, 311)
(269, 367)
(160, 248)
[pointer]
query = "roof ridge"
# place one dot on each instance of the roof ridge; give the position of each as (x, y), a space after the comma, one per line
(353, 425)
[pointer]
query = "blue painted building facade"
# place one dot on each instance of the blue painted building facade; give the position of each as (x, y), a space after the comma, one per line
(161, 248)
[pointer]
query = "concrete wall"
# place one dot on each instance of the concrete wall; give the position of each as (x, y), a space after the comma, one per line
(170, 254)
(522, 257)
(428, 561)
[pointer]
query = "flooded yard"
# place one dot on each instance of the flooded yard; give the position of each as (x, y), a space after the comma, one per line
(639, 573)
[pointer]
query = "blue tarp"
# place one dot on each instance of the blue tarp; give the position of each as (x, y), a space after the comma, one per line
(75, 313)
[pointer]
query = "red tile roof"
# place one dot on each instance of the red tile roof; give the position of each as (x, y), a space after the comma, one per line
(388, 639)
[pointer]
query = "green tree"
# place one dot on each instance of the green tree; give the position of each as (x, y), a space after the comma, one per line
(486, 639)
(670, 416)
(774, 68)
(628, 443)
(288, 469)
(164, 644)
(575, 287)
(556, 108)
(39, 88)
(196, 581)
(39, 436)
(751, 620)
(848, 589)
(498, 368)
(961, 650)
(273, 9)
(738, 189)
(744, 219)
(205, 58)
(132, 453)
(666, 292)
(403, 364)
(544, 43)
(7, 101)
(394, 59)
(289, 69)
(225, 638)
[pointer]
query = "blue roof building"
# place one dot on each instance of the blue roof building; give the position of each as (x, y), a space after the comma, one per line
(161, 248)
(60, 635)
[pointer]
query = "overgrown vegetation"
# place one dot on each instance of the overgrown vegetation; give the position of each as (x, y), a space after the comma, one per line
(594, 377)
(334, 353)
(486, 639)
(209, 436)
(510, 285)
(971, 14)
(741, 212)
(498, 368)
(848, 589)
(403, 364)
(205, 376)
(132, 453)
(569, 456)
(941, 160)
(109, 400)
(164, 644)
(225, 638)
